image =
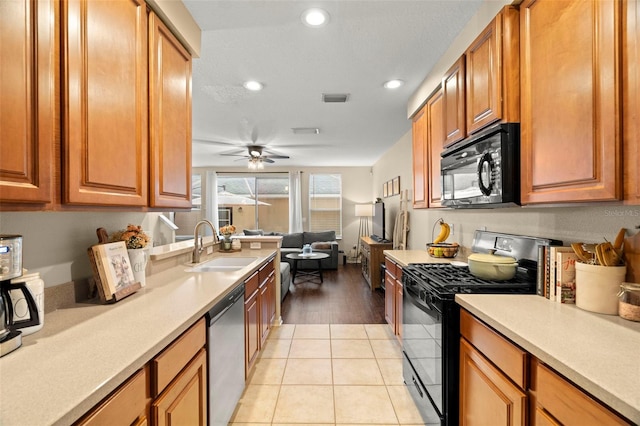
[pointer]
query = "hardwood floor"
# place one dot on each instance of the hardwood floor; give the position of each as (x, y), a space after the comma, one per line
(343, 298)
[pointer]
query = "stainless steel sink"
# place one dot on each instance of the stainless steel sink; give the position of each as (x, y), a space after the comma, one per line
(223, 264)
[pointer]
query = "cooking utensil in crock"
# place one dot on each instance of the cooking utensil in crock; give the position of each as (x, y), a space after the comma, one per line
(489, 266)
(581, 253)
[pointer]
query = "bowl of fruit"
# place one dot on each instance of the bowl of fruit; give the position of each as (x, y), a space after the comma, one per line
(446, 250)
(439, 247)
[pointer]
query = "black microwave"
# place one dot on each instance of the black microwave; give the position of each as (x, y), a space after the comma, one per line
(483, 171)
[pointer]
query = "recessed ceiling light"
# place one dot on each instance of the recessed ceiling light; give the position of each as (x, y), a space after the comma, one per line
(315, 18)
(393, 84)
(252, 85)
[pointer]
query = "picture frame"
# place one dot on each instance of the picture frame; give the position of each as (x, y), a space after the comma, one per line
(396, 186)
(385, 189)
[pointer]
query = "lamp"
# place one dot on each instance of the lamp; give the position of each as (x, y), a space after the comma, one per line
(364, 212)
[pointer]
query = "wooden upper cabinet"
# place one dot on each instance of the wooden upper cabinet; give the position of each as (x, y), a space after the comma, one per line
(493, 74)
(435, 142)
(28, 99)
(631, 102)
(420, 158)
(170, 118)
(454, 102)
(570, 141)
(105, 139)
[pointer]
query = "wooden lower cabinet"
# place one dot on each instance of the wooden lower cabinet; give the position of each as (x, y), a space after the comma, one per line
(372, 258)
(559, 402)
(487, 396)
(501, 384)
(393, 295)
(251, 331)
(184, 401)
(129, 404)
(171, 389)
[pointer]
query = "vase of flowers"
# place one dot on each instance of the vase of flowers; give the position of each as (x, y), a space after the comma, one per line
(227, 231)
(137, 242)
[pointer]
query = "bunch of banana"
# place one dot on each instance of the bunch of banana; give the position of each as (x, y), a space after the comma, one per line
(444, 232)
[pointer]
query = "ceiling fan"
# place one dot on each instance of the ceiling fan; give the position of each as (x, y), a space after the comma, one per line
(257, 156)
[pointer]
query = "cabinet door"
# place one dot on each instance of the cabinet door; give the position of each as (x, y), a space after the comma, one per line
(105, 141)
(570, 142)
(28, 99)
(484, 94)
(126, 405)
(398, 303)
(389, 300)
(487, 397)
(420, 159)
(184, 401)
(631, 102)
(251, 331)
(568, 404)
(454, 103)
(169, 118)
(436, 142)
(264, 312)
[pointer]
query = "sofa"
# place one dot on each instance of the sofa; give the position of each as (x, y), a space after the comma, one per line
(321, 242)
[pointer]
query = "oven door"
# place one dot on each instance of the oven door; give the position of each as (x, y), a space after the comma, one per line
(422, 341)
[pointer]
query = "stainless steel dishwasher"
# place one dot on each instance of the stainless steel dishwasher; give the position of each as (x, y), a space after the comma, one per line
(226, 356)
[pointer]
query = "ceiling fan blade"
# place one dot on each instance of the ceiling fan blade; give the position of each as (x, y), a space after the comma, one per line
(211, 142)
(267, 160)
(275, 156)
(229, 154)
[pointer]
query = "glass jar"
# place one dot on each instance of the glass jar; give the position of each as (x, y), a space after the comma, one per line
(629, 301)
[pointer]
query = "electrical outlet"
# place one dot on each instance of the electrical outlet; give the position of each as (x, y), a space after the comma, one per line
(452, 231)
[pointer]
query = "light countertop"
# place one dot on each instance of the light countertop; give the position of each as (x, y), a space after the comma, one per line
(405, 257)
(599, 353)
(85, 351)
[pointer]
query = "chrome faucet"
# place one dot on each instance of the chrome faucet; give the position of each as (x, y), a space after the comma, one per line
(197, 245)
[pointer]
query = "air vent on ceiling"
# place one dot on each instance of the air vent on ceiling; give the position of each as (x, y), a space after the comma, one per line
(305, 130)
(335, 97)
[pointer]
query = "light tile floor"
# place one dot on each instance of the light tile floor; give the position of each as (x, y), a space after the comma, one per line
(328, 374)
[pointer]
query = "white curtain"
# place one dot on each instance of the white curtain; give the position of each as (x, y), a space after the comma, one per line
(295, 202)
(211, 197)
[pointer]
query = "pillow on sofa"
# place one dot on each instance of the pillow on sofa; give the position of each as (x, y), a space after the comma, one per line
(321, 245)
(292, 240)
(253, 232)
(312, 237)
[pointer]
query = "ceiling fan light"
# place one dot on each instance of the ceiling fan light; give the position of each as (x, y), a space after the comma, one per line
(393, 84)
(315, 18)
(254, 153)
(253, 85)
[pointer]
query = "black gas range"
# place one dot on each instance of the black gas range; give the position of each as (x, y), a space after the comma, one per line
(431, 323)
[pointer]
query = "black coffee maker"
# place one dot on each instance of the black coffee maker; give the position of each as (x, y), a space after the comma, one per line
(10, 267)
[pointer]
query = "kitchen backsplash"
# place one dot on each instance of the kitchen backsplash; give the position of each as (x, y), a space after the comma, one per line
(55, 243)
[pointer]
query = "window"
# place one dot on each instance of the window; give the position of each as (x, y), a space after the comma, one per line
(254, 201)
(325, 203)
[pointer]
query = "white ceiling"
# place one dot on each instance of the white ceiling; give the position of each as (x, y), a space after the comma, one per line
(365, 44)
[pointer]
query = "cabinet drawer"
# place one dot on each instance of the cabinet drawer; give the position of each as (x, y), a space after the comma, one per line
(173, 359)
(505, 355)
(391, 266)
(265, 271)
(251, 285)
(126, 404)
(568, 404)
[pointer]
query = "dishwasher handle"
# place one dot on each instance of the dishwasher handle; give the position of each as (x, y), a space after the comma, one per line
(224, 305)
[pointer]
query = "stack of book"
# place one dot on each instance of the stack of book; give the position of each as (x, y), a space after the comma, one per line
(557, 273)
